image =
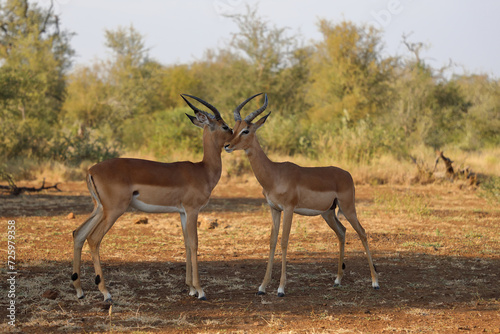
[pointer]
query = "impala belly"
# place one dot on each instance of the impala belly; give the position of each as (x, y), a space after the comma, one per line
(300, 211)
(314, 201)
(307, 212)
(310, 202)
(156, 199)
(139, 205)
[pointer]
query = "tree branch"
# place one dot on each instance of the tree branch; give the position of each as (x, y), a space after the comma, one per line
(15, 190)
(49, 14)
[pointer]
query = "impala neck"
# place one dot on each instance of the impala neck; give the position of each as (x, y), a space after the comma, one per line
(211, 157)
(261, 165)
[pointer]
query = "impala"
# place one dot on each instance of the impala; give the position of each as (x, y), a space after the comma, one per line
(290, 189)
(151, 186)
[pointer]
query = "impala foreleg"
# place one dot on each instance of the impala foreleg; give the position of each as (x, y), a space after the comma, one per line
(276, 215)
(189, 270)
(191, 241)
(339, 230)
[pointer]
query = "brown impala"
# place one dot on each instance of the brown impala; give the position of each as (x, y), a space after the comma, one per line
(290, 189)
(151, 186)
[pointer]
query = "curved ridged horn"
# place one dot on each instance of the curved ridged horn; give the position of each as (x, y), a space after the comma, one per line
(197, 110)
(257, 112)
(236, 112)
(206, 104)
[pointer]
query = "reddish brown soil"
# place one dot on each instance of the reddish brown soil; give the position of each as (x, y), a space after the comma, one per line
(437, 248)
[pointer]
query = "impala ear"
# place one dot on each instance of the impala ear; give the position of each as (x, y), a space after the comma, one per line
(195, 121)
(261, 122)
(205, 119)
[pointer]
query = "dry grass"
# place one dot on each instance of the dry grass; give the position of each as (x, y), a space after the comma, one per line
(385, 169)
(437, 248)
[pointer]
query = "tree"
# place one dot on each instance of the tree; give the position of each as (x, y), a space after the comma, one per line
(260, 57)
(482, 121)
(349, 78)
(175, 80)
(430, 108)
(108, 95)
(35, 55)
(127, 46)
(446, 121)
(86, 105)
(130, 74)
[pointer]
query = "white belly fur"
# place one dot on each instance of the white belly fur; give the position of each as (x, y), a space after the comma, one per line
(139, 205)
(300, 211)
(307, 212)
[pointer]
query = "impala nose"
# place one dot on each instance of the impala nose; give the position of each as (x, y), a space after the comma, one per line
(227, 148)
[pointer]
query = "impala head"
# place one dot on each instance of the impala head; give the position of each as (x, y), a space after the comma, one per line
(214, 123)
(244, 129)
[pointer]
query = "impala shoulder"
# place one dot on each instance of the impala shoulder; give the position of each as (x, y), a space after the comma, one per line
(289, 164)
(181, 164)
(289, 167)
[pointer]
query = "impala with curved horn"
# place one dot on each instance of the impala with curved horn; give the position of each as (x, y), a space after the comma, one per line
(290, 189)
(151, 186)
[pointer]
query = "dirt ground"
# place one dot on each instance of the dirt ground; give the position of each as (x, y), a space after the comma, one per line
(436, 247)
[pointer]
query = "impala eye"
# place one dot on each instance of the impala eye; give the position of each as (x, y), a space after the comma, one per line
(225, 127)
(245, 132)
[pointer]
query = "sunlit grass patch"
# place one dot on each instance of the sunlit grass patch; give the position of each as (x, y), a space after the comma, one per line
(403, 202)
(415, 244)
(490, 189)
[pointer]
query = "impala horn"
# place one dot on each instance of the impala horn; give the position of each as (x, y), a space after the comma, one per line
(250, 117)
(206, 104)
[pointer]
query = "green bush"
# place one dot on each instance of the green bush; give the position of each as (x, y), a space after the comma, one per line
(360, 143)
(72, 150)
(285, 134)
(162, 133)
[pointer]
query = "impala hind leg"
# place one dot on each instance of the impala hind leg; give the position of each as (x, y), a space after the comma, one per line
(94, 240)
(350, 213)
(79, 237)
(276, 215)
(339, 230)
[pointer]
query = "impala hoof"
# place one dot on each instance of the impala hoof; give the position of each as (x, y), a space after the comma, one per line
(79, 293)
(197, 295)
(260, 293)
(109, 301)
(376, 288)
(281, 294)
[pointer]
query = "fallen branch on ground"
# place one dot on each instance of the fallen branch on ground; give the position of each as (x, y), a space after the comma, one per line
(13, 189)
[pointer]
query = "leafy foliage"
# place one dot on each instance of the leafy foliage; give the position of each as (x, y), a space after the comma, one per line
(34, 56)
(348, 74)
(75, 149)
(341, 96)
